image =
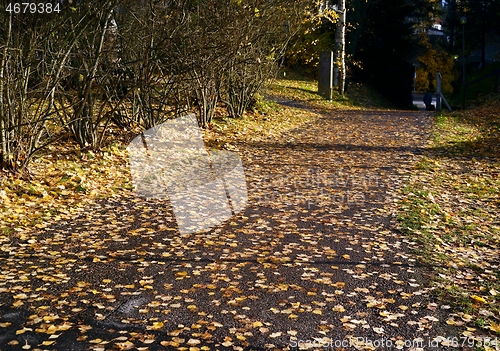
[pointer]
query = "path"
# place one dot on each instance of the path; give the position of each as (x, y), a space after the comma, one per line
(315, 256)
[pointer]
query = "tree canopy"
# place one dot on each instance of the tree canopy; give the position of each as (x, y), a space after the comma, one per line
(131, 63)
(482, 27)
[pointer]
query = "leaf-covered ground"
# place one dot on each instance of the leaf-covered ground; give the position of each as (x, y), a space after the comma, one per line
(315, 260)
(452, 205)
(60, 181)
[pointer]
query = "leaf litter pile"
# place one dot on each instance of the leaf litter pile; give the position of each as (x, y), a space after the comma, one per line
(452, 205)
(314, 260)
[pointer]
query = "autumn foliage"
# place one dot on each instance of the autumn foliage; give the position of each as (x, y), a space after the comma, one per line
(434, 59)
(132, 64)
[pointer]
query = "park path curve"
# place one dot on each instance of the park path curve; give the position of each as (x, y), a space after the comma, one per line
(314, 261)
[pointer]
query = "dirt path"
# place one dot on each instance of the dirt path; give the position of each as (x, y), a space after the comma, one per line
(313, 261)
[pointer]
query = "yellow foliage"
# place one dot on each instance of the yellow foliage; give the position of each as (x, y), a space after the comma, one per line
(433, 61)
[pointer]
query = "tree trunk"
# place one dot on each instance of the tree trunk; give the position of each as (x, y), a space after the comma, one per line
(342, 47)
(339, 69)
(3, 113)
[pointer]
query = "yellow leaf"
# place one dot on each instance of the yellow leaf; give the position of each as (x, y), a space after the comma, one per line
(127, 345)
(466, 317)
(478, 299)
(20, 296)
(48, 342)
(495, 327)
(157, 325)
(48, 318)
(17, 303)
(257, 324)
(22, 331)
(338, 308)
(64, 326)
(193, 342)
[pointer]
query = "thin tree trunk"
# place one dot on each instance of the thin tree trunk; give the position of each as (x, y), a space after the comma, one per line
(3, 131)
(342, 47)
(339, 69)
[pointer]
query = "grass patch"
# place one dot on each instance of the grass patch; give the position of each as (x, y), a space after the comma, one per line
(450, 208)
(296, 87)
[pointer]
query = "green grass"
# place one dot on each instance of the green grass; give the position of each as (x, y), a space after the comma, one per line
(297, 87)
(450, 209)
(264, 106)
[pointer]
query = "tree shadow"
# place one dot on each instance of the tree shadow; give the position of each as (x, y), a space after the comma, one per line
(485, 149)
(304, 146)
(309, 91)
(484, 146)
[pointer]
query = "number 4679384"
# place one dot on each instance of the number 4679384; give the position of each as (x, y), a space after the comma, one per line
(31, 7)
